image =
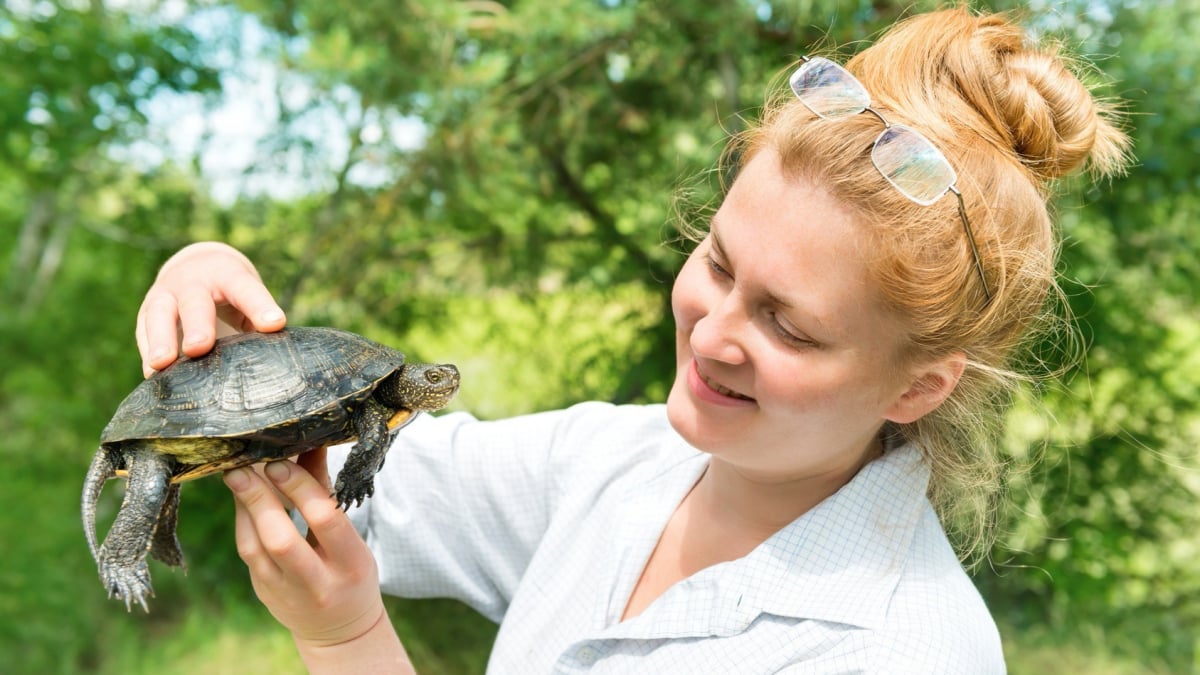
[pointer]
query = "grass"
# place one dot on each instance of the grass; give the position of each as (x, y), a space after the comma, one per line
(443, 638)
(237, 638)
(1035, 650)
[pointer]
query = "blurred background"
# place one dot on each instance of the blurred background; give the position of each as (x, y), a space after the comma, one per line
(494, 184)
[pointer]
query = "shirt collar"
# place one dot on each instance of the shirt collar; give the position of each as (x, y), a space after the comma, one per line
(841, 561)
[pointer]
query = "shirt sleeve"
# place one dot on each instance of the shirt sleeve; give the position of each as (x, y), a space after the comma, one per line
(460, 505)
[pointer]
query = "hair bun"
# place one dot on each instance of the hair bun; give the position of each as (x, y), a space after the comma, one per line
(1053, 122)
(949, 69)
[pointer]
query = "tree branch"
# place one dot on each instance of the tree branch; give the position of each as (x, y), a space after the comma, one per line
(579, 195)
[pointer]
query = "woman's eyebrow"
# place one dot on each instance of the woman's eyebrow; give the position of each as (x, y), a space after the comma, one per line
(713, 226)
(770, 296)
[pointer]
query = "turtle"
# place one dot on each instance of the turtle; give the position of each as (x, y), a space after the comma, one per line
(255, 397)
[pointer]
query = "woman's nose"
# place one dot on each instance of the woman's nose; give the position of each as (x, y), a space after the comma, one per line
(720, 333)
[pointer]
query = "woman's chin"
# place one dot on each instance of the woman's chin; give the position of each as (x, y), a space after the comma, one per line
(690, 422)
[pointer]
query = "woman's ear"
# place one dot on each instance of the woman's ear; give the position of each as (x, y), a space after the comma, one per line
(930, 385)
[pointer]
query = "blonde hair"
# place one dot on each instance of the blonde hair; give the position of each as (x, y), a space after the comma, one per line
(1011, 117)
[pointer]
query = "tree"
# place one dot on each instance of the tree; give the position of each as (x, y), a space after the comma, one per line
(507, 169)
(1107, 526)
(73, 83)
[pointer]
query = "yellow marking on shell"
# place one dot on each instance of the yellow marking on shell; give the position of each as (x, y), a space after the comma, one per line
(206, 469)
(219, 466)
(196, 450)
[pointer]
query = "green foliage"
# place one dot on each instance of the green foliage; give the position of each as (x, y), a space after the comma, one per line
(1107, 527)
(74, 78)
(503, 202)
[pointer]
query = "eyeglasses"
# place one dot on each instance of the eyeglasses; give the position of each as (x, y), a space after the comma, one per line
(908, 160)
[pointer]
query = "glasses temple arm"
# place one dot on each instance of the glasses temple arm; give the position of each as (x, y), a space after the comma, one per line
(962, 212)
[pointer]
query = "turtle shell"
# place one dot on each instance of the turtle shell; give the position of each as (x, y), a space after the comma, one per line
(291, 388)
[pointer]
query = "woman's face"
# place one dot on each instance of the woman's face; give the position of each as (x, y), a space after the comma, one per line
(786, 359)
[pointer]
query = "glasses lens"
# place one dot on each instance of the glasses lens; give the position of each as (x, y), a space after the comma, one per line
(828, 89)
(912, 164)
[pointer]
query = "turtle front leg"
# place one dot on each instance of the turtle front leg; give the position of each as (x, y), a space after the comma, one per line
(122, 559)
(356, 480)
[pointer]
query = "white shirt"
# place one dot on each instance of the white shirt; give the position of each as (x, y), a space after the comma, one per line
(545, 522)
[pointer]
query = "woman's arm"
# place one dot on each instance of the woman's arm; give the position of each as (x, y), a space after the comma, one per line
(323, 588)
(205, 289)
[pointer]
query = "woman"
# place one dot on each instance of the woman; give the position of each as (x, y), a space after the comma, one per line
(845, 329)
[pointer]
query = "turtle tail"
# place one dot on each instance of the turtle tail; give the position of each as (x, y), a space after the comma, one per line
(104, 466)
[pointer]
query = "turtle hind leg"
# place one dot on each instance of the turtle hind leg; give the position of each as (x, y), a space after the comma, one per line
(103, 467)
(122, 558)
(356, 480)
(165, 545)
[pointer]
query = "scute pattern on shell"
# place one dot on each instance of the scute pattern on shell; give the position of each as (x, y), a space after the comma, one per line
(253, 383)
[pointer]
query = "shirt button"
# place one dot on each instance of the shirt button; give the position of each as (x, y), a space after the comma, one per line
(586, 655)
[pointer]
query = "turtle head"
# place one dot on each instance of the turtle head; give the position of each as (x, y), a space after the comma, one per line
(421, 386)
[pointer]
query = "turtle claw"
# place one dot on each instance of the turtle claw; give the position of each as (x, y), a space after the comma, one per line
(127, 584)
(347, 492)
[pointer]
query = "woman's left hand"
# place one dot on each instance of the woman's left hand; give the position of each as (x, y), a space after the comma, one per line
(323, 588)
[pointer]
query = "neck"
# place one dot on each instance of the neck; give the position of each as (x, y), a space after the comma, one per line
(747, 505)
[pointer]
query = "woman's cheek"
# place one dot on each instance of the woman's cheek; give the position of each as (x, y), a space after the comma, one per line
(687, 295)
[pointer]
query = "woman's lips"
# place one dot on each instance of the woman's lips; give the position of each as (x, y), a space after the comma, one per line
(709, 390)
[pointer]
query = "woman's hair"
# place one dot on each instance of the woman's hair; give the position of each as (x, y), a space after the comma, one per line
(1011, 117)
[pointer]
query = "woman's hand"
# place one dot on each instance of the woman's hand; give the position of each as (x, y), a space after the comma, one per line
(323, 588)
(200, 285)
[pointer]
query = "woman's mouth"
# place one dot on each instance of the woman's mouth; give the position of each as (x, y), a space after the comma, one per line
(720, 389)
(709, 389)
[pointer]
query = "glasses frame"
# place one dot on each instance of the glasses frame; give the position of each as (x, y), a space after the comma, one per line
(856, 100)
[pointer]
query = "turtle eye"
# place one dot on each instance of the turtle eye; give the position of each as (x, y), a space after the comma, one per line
(433, 376)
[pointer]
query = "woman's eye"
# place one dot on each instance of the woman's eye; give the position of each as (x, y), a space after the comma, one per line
(788, 336)
(715, 267)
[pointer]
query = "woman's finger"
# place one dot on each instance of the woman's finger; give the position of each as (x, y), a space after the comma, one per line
(277, 535)
(247, 293)
(198, 318)
(249, 548)
(158, 318)
(327, 523)
(143, 344)
(230, 321)
(314, 462)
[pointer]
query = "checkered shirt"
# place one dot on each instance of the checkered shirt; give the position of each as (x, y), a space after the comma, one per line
(544, 523)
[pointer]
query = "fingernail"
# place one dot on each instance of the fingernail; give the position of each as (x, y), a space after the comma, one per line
(237, 479)
(271, 315)
(278, 471)
(160, 354)
(190, 340)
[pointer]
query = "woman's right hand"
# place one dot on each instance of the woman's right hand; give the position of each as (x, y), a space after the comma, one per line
(324, 588)
(202, 285)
